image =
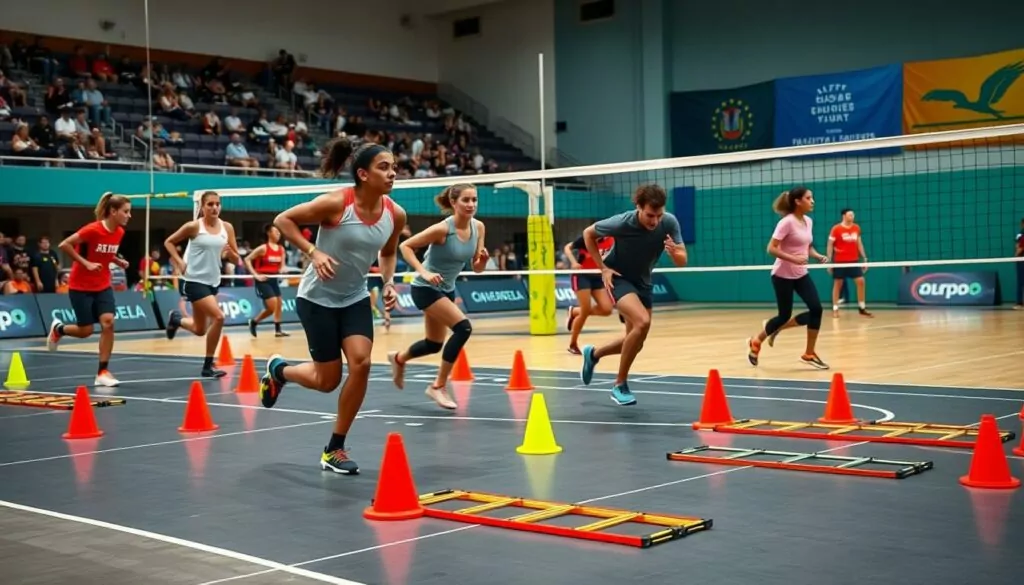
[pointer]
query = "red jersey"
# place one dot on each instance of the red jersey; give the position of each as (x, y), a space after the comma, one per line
(98, 245)
(271, 261)
(845, 243)
(604, 245)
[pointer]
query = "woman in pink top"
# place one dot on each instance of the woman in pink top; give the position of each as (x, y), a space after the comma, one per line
(792, 244)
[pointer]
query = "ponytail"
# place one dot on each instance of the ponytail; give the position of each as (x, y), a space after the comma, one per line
(333, 162)
(108, 204)
(446, 199)
(785, 203)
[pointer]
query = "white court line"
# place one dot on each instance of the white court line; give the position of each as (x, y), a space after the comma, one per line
(499, 419)
(471, 526)
(161, 443)
(86, 376)
(214, 550)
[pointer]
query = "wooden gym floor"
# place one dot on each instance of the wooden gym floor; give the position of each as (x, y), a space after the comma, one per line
(927, 347)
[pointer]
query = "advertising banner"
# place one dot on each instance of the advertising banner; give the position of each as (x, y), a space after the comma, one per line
(949, 288)
(20, 317)
(133, 312)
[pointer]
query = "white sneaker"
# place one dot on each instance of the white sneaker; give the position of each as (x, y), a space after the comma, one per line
(53, 339)
(107, 379)
(440, 396)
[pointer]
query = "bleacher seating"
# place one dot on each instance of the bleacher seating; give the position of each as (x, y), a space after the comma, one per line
(130, 108)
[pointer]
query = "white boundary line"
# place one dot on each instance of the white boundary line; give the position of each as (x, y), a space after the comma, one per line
(213, 550)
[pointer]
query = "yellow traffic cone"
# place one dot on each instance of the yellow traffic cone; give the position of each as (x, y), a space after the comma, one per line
(539, 438)
(16, 378)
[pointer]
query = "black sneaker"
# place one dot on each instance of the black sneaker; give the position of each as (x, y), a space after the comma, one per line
(270, 387)
(252, 327)
(813, 360)
(173, 323)
(338, 462)
(865, 313)
(212, 372)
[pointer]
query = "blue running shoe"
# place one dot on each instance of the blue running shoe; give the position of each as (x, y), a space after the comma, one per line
(589, 361)
(622, 395)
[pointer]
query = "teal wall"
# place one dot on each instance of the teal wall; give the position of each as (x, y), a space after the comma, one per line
(908, 209)
(82, 187)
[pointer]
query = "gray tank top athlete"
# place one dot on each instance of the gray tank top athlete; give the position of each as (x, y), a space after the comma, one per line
(449, 258)
(355, 243)
(203, 256)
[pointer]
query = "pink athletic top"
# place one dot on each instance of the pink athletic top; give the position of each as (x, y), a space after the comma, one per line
(795, 238)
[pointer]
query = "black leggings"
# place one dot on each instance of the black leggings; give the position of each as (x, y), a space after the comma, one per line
(784, 289)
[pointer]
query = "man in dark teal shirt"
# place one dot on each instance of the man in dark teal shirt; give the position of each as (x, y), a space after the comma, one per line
(640, 236)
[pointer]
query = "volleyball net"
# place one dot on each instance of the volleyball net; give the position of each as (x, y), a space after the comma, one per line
(941, 207)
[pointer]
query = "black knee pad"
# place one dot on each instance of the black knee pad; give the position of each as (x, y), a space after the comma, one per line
(460, 335)
(424, 347)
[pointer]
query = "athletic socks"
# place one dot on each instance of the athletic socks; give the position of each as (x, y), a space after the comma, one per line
(337, 442)
(277, 327)
(104, 366)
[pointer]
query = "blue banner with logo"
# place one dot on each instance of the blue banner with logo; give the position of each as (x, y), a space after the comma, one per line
(839, 107)
(945, 289)
(20, 317)
(132, 311)
(484, 295)
(722, 120)
(238, 303)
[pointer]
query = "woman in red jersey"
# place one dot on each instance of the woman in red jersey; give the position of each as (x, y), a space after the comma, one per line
(586, 286)
(264, 262)
(93, 248)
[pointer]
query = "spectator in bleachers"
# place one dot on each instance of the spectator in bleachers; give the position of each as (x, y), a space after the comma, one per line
(23, 145)
(211, 123)
(127, 71)
(160, 134)
(148, 83)
(236, 155)
(43, 135)
(232, 123)
(183, 80)
(286, 159)
(57, 97)
(97, 146)
(337, 121)
(19, 284)
(75, 148)
(5, 110)
(162, 161)
(256, 132)
(283, 68)
(103, 70)
(82, 123)
(99, 109)
(17, 253)
(6, 58)
(65, 126)
(169, 105)
(11, 91)
(78, 64)
(78, 94)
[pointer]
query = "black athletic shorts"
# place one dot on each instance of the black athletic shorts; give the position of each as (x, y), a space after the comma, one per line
(424, 296)
(622, 287)
(847, 272)
(327, 327)
(89, 305)
(268, 289)
(587, 282)
(196, 291)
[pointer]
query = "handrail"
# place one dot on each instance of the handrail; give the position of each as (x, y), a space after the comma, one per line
(183, 168)
(73, 161)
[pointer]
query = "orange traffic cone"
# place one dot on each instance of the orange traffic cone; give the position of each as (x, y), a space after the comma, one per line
(83, 420)
(838, 409)
(1019, 449)
(1021, 415)
(989, 467)
(225, 357)
(248, 381)
(197, 413)
(520, 379)
(715, 409)
(461, 371)
(396, 497)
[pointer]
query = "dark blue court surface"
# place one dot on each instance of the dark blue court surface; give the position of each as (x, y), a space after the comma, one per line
(250, 504)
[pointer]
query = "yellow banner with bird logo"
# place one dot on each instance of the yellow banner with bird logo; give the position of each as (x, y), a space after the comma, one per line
(971, 92)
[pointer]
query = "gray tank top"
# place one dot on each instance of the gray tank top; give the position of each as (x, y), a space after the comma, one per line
(449, 258)
(203, 255)
(355, 243)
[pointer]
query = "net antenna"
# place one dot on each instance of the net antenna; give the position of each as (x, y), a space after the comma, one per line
(536, 193)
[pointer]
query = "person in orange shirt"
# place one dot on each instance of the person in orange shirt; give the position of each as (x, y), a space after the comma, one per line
(19, 284)
(845, 245)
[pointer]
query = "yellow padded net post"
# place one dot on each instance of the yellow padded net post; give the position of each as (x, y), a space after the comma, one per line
(540, 241)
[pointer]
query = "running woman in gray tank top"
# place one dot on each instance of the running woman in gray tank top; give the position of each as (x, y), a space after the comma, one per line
(452, 244)
(356, 226)
(210, 240)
